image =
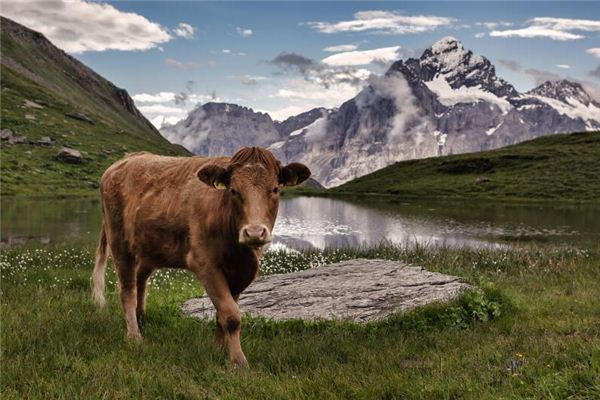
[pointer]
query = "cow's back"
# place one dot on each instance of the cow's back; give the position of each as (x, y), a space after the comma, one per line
(147, 200)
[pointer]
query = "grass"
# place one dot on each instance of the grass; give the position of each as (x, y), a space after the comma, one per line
(533, 331)
(61, 85)
(562, 167)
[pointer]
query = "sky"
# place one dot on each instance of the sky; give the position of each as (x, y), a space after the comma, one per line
(288, 57)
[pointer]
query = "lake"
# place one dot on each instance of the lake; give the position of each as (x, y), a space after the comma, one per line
(313, 222)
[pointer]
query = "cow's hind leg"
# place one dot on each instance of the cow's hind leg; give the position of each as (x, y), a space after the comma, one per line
(143, 273)
(126, 270)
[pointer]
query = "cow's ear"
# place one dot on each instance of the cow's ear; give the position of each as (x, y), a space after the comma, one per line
(293, 174)
(214, 176)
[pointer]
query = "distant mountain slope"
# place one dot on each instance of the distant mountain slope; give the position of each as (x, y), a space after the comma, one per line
(448, 101)
(217, 129)
(47, 93)
(557, 167)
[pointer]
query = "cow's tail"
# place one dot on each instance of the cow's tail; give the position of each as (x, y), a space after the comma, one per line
(99, 268)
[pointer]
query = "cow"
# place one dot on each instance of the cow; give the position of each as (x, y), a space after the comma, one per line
(211, 215)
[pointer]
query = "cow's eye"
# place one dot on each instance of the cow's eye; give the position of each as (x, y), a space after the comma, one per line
(233, 192)
(276, 190)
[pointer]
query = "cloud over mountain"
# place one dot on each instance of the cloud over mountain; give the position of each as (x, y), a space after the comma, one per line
(386, 22)
(384, 55)
(551, 28)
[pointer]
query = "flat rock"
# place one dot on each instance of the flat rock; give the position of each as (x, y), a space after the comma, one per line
(360, 290)
(6, 134)
(70, 156)
(80, 117)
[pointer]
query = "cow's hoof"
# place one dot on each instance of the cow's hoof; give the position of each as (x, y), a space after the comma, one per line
(140, 317)
(239, 362)
(134, 337)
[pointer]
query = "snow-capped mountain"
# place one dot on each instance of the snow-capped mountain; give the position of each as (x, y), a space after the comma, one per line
(447, 101)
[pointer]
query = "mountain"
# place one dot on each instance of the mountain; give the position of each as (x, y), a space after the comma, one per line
(49, 101)
(447, 101)
(553, 167)
(216, 129)
(300, 121)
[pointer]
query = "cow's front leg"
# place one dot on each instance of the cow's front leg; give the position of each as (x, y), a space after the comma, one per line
(228, 313)
(220, 336)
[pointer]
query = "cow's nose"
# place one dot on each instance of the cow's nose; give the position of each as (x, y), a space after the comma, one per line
(255, 235)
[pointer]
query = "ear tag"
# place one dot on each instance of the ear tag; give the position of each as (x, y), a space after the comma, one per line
(220, 185)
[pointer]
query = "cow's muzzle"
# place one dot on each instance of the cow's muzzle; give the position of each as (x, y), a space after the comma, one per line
(255, 235)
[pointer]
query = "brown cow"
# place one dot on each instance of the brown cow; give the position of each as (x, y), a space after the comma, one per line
(209, 215)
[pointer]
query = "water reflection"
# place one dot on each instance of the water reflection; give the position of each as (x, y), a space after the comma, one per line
(306, 222)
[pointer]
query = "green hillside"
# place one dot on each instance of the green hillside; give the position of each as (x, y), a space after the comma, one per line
(40, 87)
(556, 167)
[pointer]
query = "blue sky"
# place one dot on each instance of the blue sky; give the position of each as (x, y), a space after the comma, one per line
(226, 50)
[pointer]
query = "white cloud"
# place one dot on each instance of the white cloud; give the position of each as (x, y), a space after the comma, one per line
(383, 55)
(162, 97)
(494, 24)
(285, 112)
(537, 32)
(168, 107)
(389, 22)
(226, 51)
(244, 32)
(341, 47)
(185, 31)
(181, 65)
(249, 79)
(162, 109)
(479, 35)
(78, 26)
(595, 51)
(299, 95)
(551, 28)
(161, 120)
(563, 66)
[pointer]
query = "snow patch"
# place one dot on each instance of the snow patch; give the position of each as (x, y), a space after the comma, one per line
(276, 145)
(450, 97)
(572, 108)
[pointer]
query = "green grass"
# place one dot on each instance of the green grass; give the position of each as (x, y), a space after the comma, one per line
(533, 331)
(34, 170)
(558, 167)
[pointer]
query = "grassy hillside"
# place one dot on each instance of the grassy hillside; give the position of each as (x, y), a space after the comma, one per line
(557, 167)
(40, 85)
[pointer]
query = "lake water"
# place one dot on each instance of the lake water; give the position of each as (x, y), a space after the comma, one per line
(311, 222)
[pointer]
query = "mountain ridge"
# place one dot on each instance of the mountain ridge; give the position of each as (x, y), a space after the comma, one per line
(447, 101)
(50, 100)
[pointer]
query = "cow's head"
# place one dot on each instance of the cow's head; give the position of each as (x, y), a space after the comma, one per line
(252, 182)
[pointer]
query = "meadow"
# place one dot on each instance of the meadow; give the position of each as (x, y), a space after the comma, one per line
(532, 330)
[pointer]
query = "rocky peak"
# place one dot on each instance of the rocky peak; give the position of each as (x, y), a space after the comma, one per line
(300, 121)
(448, 57)
(233, 110)
(562, 90)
